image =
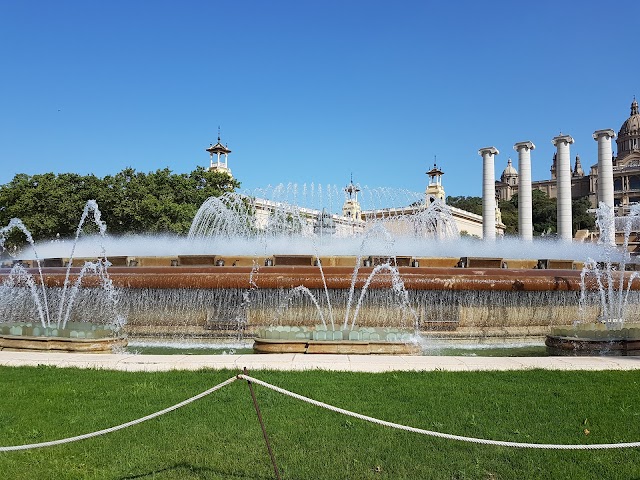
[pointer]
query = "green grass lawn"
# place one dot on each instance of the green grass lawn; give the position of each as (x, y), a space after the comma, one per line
(219, 437)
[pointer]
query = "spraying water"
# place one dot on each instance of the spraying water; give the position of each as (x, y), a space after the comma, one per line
(609, 274)
(69, 292)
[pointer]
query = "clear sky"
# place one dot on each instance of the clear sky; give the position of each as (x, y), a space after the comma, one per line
(310, 91)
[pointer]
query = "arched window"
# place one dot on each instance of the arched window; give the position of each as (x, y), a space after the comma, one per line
(617, 184)
(634, 182)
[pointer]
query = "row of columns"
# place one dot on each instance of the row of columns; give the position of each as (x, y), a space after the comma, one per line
(563, 178)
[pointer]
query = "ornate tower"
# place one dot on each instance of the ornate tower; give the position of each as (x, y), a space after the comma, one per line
(351, 207)
(221, 154)
(435, 187)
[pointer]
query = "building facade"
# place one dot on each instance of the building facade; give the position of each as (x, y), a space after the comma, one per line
(353, 220)
(626, 172)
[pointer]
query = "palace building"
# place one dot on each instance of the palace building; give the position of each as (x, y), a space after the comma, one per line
(626, 172)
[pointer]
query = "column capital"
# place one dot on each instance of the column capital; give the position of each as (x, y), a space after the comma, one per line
(491, 150)
(526, 145)
(601, 133)
(568, 139)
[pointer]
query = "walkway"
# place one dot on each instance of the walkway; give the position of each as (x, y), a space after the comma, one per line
(353, 363)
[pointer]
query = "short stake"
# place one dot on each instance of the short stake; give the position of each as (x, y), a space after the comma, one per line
(264, 430)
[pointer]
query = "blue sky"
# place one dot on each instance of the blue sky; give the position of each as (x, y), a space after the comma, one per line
(310, 91)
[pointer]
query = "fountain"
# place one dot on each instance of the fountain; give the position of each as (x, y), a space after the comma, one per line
(609, 284)
(297, 278)
(43, 318)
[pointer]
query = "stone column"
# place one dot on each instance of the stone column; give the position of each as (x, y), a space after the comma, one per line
(488, 193)
(525, 202)
(563, 182)
(605, 182)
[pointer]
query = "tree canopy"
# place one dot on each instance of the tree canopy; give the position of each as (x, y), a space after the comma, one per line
(470, 204)
(130, 202)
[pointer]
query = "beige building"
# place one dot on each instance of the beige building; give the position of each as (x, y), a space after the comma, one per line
(400, 220)
(414, 219)
(626, 171)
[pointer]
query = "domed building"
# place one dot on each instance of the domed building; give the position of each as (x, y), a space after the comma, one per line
(626, 166)
(508, 184)
(626, 171)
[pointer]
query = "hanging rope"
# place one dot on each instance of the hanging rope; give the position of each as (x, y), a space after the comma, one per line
(597, 446)
(548, 446)
(119, 427)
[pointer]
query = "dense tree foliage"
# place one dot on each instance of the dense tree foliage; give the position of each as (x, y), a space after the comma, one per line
(544, 212)
(582, 219)
(130, 201)
(509, 212)
(470, 204)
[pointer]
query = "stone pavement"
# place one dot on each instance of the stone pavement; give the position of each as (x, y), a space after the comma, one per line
(295, 361)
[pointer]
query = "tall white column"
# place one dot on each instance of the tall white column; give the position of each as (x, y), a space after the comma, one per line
(563, 179)
(488, 192)
(525, 202)
(605, 182)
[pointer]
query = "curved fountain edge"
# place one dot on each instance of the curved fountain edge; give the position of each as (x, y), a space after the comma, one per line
(414, 278)
(61, 344)
(336, 277)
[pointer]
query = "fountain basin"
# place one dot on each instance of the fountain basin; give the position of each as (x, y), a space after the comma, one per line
(594, 339)
(320, 339)
(76, 337)
(343, 347)
(209, 301)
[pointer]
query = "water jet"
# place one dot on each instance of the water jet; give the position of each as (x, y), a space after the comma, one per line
(26, 293)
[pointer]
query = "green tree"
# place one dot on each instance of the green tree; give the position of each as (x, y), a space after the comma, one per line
(582, 219)
(131, 202)
(160, 201)
(509, 212)
(48, 204)
(470, 204)
(544, 212)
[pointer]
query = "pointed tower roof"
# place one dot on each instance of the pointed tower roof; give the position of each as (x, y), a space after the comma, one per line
(435, 171)
(578, 171)
(352, 189)
(218, 148)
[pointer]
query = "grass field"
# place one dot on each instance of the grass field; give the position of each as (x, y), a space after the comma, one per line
(219, 437)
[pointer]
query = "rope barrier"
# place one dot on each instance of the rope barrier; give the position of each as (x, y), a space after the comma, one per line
(448, 436)
(596, 446)
(119, 427)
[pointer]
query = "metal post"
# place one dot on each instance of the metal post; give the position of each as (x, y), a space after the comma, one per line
(264, 430)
